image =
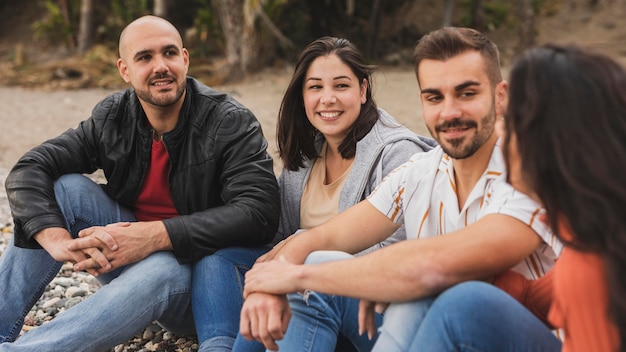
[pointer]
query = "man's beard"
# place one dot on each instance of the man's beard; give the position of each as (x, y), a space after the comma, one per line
(163, 100)
(454, 147)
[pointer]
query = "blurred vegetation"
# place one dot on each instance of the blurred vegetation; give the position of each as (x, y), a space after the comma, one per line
(302, 20)
(54, 28)
(385, 36)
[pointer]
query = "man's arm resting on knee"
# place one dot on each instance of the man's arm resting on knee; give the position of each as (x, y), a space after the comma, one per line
(410, 269)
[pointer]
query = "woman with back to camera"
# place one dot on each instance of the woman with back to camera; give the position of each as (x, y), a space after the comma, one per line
(564, 141)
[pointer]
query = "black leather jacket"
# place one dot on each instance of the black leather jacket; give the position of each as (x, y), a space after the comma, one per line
(221, 179)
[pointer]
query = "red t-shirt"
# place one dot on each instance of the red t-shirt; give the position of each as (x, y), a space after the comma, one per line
(155, 200)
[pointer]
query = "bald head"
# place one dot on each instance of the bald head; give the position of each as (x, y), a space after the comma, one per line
(142, 28)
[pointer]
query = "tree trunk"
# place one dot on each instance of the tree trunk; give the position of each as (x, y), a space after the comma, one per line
(231, 20)
(160, 8)
(447, 13)
(350, 8)
(68, 34)
(248, 49)
(372, 37)
(526, 29)
(477, 16)
(241, 38)
(85, 27)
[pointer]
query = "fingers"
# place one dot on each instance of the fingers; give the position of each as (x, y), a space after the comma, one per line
(272, 253)
(262, 258)
(277, 323)
(245, 323)
(381, 307)
(89, 265)
(362, 313)
(269, 255)
(370, 325)
(367, 322)
(95, 237)
(95, 260)
(265, 318)
(286, 318)
(263, 333)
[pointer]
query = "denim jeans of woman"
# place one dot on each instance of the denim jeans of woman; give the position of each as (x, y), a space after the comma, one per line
(155, 288)
(400, 323)
(217, 296)
(476, 316)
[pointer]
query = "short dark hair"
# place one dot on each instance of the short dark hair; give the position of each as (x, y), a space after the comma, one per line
(567, 110)
(447, 42)
(295, 134)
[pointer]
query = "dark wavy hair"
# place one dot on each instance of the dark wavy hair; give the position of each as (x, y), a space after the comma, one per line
(295, 134)
(447, 42)
(567, 108)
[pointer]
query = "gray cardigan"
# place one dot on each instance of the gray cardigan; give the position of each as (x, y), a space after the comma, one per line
(387, 146)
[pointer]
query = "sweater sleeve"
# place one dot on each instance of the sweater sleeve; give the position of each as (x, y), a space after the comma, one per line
(535, 295)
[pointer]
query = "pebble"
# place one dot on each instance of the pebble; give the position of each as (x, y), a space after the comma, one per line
(69, 288)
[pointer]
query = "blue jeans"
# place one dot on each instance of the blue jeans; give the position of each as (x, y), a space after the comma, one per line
(476, 316)
(400, 323)
(155, 288)
(217, 295)
(317, 319)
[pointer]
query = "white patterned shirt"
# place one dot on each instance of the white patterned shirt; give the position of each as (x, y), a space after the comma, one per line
(421, 193)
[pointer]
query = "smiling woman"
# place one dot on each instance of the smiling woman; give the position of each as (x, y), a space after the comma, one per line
(332, 99)
(336, 146)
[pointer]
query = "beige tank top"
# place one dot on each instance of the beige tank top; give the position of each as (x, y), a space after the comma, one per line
(320, 202)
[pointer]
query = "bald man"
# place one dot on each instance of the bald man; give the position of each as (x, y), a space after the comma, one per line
(187, 175)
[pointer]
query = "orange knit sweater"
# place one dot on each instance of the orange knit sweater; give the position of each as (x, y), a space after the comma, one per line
(573, 296)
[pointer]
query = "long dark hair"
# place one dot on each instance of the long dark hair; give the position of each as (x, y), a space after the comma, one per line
(295, 134)
(567, 108)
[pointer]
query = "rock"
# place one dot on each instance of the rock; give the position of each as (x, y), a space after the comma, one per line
(72, 302)
(148, 334)
(51, 302)
(75, 291)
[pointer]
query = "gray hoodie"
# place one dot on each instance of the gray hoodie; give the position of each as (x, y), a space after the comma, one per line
(387, 146)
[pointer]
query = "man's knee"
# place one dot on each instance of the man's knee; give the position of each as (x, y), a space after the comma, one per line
(470, 290)
(160, 271)
(71, 182)
(71, 189)
(224, 261)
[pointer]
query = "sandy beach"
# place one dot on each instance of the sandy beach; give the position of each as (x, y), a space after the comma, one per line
(30, 116)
